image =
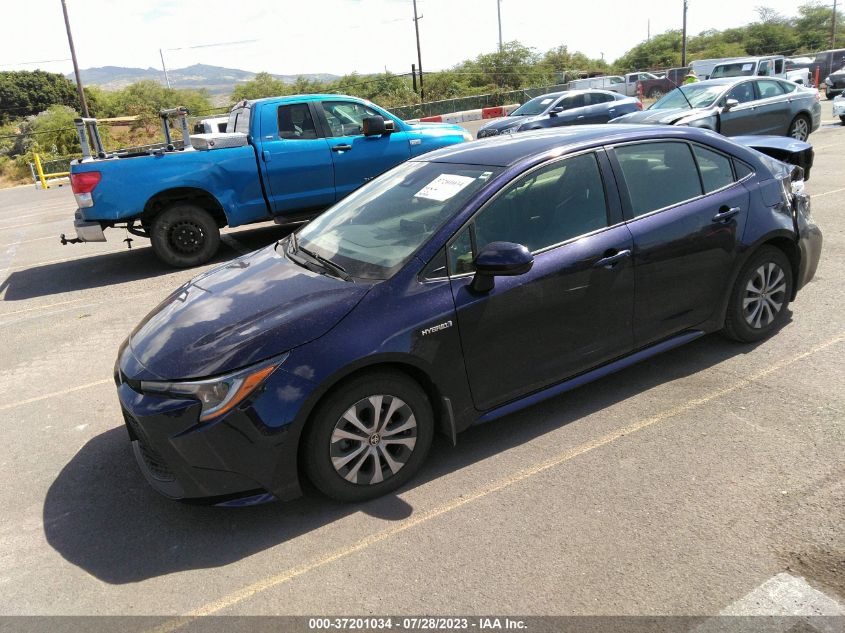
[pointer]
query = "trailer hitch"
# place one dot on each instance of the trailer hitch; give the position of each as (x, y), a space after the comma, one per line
(66, 241)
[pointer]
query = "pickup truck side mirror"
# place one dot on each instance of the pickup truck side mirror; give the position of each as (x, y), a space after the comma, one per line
(377, 126)
(729, 105)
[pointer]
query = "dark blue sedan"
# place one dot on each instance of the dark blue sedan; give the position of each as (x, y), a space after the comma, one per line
(455, 289)
(572, 107)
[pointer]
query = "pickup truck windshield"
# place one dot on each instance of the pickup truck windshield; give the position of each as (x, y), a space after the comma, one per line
(374, 231)
(698, 96)
(740, 69)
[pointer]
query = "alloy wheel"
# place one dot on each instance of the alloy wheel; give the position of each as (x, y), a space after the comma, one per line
(800, 129)
(373, 439)
(765, 295)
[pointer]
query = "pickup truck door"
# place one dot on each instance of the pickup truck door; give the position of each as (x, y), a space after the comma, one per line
(357, 158)
(295, 159)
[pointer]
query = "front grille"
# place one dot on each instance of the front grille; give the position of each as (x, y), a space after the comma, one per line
(154, 462)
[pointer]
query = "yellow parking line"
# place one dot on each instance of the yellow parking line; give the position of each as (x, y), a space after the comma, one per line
(424, 517)
(47, 396)
(826, 193)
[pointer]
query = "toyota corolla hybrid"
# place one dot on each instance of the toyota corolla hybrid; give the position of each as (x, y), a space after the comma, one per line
(452, 290)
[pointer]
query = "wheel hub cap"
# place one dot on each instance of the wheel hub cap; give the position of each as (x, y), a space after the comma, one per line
(765, 295)
(373, 439)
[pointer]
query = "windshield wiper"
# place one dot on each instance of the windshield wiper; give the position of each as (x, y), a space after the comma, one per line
(328, 264)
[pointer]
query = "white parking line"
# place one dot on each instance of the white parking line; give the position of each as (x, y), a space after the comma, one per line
(785, 594)
(826, 193)
(46, 396)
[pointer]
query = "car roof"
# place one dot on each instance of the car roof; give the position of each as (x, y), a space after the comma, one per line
(308, 97)
(500, 151)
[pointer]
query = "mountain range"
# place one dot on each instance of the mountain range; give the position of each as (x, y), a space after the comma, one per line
(216, 79)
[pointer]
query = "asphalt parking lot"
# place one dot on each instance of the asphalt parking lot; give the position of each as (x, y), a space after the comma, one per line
(679, 486)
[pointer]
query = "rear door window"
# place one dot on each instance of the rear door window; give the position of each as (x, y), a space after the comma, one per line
(769, 88)
(296, 122)
(658, 175)
(715, 169)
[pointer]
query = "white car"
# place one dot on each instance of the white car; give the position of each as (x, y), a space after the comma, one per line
(839, 107)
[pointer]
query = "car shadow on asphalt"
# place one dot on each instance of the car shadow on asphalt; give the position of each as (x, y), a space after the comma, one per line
(127, 266)
(101, 515)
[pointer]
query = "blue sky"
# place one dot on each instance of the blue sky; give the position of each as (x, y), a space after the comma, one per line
(337, 36)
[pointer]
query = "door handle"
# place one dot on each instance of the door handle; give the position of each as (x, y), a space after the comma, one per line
(580, 117)
(266, 156)
(611, 258)
(726, 213)
(341, 148)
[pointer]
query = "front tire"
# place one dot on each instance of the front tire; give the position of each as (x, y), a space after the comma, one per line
(760, 295)
(799, 129)
(185, 235)
(842, 118)
(368, 437)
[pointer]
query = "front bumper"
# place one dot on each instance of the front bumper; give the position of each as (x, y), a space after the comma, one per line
(839, 107)
(809, 243)
(251, 450)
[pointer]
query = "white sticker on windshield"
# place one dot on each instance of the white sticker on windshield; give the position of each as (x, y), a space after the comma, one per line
(443, 187)
(746, 67)
(546, 101)
(485, 175)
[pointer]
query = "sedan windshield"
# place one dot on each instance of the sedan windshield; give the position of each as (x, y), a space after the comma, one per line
(374, 231)
(537, 105)
(697, 96)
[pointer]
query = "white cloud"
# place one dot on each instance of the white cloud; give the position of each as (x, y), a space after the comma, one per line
(338, 36)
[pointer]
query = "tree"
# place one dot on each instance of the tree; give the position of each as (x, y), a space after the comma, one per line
(812, 27)
(262, 85)
(24, 93)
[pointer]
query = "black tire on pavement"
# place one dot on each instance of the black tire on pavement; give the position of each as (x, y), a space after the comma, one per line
(185, 235)
(800, 127)
(368, 437)
(760, 296)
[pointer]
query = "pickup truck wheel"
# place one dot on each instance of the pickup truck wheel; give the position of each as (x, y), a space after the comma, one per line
(655, 93)
(185, 235)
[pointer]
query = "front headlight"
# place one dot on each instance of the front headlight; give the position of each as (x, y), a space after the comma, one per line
(509, 130)
(221, 394)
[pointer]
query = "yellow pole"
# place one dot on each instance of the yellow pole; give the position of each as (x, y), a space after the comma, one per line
(40, 171)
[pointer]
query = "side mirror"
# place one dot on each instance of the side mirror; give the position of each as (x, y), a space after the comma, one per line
(499, 259)
(375, 126)
(730, 104)
(556, 110)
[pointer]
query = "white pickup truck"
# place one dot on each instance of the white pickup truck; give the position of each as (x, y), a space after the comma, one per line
(769, 66)
(626, 85)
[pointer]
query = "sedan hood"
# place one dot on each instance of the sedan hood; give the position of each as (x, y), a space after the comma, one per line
(505, 122)
(236, 314)
(669, 116)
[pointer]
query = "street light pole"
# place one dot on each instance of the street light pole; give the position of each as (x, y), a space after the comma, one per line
(75, 65)
(164, 68)
(684, 38)
(833, 27)
(419, 54)
(499, 11)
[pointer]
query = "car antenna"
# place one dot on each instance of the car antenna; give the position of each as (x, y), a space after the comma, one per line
(681, 91)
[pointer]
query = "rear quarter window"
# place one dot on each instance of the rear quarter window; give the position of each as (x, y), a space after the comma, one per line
(715, 169)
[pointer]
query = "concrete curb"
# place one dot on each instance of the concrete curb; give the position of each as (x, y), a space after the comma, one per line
(469, 115)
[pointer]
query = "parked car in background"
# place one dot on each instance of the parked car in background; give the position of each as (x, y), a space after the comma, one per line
(455, 289)
(768, 66)
(283, 159)
(604, 82)
(827, 62)
(737, 106)
(834, 83)
(703, 67)
(839, 107)
(571, 107)
(212, 125)
(656, 88)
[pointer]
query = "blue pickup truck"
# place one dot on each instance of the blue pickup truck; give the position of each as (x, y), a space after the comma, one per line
(283, 159)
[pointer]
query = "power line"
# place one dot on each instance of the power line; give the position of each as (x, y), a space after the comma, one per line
(42, 61)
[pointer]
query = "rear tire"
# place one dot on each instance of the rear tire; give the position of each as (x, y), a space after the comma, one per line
(761, 293)
(842, 118)
(368, 437)
(799, 129)
(185, 235)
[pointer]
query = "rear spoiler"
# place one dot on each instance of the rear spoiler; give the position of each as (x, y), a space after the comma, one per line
(783, 148)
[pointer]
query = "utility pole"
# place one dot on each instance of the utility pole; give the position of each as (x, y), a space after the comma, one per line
(164, 68)
(414, 76)
(684, 38)
(499, 10)
(75, 65)
(833, 27)
(419, 54)
(648, 31)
